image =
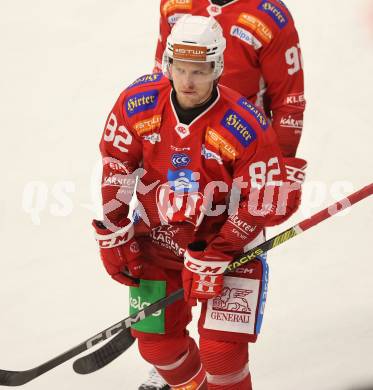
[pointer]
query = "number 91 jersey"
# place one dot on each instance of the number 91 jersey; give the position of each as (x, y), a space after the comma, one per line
(217, 179)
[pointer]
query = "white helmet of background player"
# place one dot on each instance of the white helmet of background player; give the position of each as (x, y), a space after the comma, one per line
(195, 39)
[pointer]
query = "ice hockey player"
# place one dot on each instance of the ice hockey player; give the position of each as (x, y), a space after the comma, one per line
(211, 176)
(263, 59)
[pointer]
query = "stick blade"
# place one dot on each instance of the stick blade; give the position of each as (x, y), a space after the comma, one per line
(105, 355)
(15, 378)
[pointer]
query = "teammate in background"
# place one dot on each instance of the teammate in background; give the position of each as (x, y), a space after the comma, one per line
(211, 177)
(263, 60)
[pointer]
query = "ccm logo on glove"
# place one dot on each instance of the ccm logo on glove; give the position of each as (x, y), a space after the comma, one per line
(120, 237)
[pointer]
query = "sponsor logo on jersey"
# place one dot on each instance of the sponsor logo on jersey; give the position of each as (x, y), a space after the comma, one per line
(179, 160)
(152, 138)
(173, 5)
(146, 79)
(164, 236)
(245, 36)
(178, 149)
(242, 131)
(149, 124)
(255, 112)
(172, 19)
(210, 155)
(189, 52)
(140, 102)
(295, 100)
(225, 148)
(183, 180)
(141, 297)
(235, 309)
(256, 26)
(289, 121)
(274, 12)
(241, 225)
(118, 180)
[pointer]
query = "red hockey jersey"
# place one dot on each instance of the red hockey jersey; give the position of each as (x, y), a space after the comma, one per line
(263, 60)
(205, 181)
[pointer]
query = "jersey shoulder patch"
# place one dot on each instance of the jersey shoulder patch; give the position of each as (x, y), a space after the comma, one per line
(143, 94)
(238, 127)
(146, 79)
(258, 115)
(170, 6)
(276, 11)
(254, 25)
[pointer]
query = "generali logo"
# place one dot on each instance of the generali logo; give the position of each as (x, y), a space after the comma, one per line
(189, 52)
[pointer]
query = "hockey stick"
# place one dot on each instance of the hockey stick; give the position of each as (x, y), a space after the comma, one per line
(113, 349)
(17, 378)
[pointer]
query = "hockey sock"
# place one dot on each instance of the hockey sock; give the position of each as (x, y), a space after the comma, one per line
(226, 365)
(177, 361)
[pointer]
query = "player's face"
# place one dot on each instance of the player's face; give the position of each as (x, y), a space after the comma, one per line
(193, 82)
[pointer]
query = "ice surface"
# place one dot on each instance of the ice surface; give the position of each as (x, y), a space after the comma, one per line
(62, 66)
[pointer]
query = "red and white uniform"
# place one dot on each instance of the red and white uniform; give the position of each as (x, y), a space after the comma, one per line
(189, 170)
(262, 61)
(186, 174)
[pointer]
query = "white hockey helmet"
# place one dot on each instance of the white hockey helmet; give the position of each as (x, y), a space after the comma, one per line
(196, 39)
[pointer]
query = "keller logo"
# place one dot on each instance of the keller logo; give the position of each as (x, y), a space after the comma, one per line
(275, 13)
(234, 123)
(179, 160)
(140, 102)
(295, 100)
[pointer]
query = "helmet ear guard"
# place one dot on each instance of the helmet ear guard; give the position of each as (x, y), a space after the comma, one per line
(195, 39)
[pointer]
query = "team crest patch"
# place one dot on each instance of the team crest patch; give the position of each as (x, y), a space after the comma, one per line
(234, 123)
(140, 102)
(255, 112)
(274, 12)
(235, 309)
(146, 79)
